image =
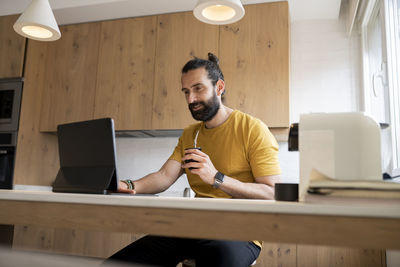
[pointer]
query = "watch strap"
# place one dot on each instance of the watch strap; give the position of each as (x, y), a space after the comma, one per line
(130, 184)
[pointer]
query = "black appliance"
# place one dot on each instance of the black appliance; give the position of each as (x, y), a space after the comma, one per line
(10, 103)
(293, 141)
(8, 141)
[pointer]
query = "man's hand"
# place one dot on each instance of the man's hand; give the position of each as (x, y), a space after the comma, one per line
(123, 188)
(204, 168)
(261, 188)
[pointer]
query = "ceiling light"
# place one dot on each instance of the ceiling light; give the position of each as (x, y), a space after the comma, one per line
(219, 11)
(38, 22)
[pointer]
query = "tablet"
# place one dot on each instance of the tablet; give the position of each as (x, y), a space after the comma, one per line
(87, 157)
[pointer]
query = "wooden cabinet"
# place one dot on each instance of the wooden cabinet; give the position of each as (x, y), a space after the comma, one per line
(311, 255)
(12, 48)
(98, 245)
(279, 254)
(36, 159)
(130, 69)
(125, 75)
(180, 36)
(71, 69)
(102, 69)
(254, 56)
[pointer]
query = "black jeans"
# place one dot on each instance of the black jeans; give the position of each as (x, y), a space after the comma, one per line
(169, 251)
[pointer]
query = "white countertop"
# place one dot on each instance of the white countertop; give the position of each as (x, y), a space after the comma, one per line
(240, 205)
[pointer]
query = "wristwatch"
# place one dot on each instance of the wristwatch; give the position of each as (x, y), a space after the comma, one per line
(218, 179)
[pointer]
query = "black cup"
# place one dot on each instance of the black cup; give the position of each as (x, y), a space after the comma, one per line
(191, 160)
(286, 192)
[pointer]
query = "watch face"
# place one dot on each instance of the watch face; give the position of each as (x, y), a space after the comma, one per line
(218, 179)
(219, 176)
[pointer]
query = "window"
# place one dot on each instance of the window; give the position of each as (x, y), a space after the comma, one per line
(380, 34)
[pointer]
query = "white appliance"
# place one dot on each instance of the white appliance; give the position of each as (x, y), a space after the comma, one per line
(342, 146)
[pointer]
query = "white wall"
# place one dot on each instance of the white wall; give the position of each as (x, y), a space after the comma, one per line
(325, 77)
(137, 157)
(325, 68)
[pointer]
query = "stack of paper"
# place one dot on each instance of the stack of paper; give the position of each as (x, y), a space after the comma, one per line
(323, 189)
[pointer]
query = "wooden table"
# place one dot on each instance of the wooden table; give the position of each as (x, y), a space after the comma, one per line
(363, 226)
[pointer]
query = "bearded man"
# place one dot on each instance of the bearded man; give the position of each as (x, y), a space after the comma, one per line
(236, 157)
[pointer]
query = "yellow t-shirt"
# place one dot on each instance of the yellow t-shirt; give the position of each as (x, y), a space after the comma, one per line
(241, 148)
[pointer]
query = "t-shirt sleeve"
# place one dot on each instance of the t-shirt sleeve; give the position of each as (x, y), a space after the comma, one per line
(177, 154)
(263, 151)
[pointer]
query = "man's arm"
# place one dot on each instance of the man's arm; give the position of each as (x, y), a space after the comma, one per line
(263, 188)
(155, 182)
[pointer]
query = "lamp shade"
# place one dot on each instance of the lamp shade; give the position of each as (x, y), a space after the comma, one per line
(38, 22)
(219, 12)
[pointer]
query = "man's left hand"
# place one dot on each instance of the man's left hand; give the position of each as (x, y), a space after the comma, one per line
(204, 168)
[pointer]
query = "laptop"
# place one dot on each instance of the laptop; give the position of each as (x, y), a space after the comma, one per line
(87, 157)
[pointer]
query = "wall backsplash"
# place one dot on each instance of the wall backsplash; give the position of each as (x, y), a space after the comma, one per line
(137, 157)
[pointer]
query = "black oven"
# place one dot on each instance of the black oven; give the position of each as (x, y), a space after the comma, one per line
(8, 141)
(10, 102)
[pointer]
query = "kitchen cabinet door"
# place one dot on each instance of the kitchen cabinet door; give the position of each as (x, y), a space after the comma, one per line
(36, 161)
(12, 48)
(125, 76)
(254, 56)
(180, 36)
(71, 66)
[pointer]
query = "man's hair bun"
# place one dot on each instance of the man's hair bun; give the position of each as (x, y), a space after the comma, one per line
(213, 58)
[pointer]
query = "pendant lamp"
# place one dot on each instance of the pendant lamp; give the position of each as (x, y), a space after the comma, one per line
(218, 12)
(38, 22)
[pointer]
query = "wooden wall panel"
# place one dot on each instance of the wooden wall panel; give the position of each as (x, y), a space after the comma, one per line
(314, 256)
(125, 76)
(277, 254)
(71, 242)
(37, 154)
(254, 55)
(12, 48)
(33, 238)
(71, 69)
(180, 36)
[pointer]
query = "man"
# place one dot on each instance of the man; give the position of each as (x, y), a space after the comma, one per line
(238, 159)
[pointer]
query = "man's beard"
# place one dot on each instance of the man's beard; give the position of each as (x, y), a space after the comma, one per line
(208, 111)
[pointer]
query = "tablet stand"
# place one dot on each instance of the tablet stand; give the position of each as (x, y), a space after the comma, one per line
(93, 180)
